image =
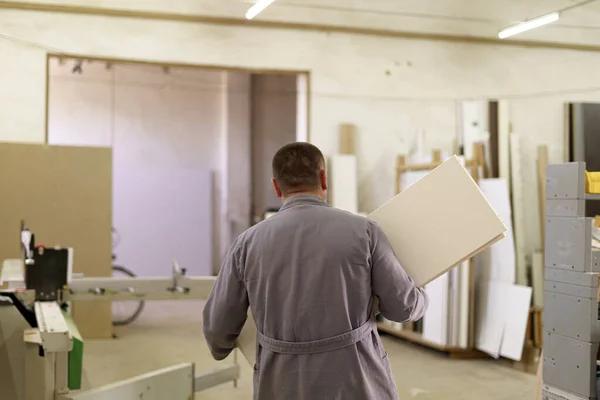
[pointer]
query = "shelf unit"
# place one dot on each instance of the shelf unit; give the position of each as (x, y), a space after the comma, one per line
(572, 267)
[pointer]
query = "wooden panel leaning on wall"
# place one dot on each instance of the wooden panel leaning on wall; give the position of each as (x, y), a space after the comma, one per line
(65, 196)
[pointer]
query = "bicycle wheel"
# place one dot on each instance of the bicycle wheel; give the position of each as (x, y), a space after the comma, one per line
(125, 312)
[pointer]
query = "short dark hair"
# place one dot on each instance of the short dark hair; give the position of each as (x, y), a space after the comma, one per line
(297, 166)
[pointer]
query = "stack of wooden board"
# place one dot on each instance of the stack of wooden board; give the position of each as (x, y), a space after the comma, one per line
(436, 224)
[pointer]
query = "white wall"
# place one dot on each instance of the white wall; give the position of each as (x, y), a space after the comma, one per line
(164, 128)
(171, 119)
(349, 81)
(274, 109)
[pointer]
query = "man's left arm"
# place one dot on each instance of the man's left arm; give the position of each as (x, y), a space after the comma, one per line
(226, 309)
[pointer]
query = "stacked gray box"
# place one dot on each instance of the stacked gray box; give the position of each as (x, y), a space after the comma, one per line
(571, 329)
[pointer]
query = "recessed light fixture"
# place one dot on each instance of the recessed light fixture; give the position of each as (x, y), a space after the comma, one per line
(528, 25)
(257, 8)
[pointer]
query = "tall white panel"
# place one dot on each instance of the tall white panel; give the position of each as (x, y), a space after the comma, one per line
(343, 188)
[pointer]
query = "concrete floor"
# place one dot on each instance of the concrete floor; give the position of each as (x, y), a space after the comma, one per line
(168, 333)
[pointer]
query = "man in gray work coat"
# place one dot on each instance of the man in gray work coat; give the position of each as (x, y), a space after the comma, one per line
(310, 275)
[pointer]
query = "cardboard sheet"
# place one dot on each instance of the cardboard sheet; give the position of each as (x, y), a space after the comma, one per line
(502, 319)
(516, 303)
(435, 320)
(499, 264)
(490, 318)
(247, 340)
(343, 192)
(434, 225)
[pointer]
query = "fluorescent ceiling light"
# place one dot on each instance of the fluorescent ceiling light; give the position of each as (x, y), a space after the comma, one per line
(528, 25)
(257, 8)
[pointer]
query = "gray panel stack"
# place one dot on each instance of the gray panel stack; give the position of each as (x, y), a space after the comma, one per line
(571, 328)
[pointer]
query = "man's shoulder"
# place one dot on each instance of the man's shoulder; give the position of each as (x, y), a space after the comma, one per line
(289, 217)
(335, 216)
(347, 216)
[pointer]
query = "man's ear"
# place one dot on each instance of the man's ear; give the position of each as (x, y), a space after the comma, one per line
(276, 188)
(323, 176)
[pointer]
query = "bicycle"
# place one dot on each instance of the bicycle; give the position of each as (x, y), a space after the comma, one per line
(120, 271)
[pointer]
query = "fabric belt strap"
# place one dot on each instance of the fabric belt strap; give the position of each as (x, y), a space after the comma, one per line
(318, 346)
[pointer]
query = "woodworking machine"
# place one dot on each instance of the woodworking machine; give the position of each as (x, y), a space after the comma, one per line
(44, 360)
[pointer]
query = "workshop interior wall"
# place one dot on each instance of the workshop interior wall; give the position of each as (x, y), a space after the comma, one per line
(64, 195)
(388, 87)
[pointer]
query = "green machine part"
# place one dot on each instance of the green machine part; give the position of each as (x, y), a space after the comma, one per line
(75, 356)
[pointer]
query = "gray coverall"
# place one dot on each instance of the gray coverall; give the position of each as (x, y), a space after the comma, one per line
(310, 275)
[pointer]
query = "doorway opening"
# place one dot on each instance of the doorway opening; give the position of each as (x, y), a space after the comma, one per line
(191, 147)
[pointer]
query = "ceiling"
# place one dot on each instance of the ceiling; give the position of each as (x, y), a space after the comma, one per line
(475, 18)
(579, 25)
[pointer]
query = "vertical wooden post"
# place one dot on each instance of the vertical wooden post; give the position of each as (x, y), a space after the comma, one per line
(400, 165)
(567, 133)
(476, 169)
(436, 157)
(476, 163)
(537, 394)
(347, 139)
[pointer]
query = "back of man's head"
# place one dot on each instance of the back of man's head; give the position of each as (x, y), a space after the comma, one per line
(297, 167)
